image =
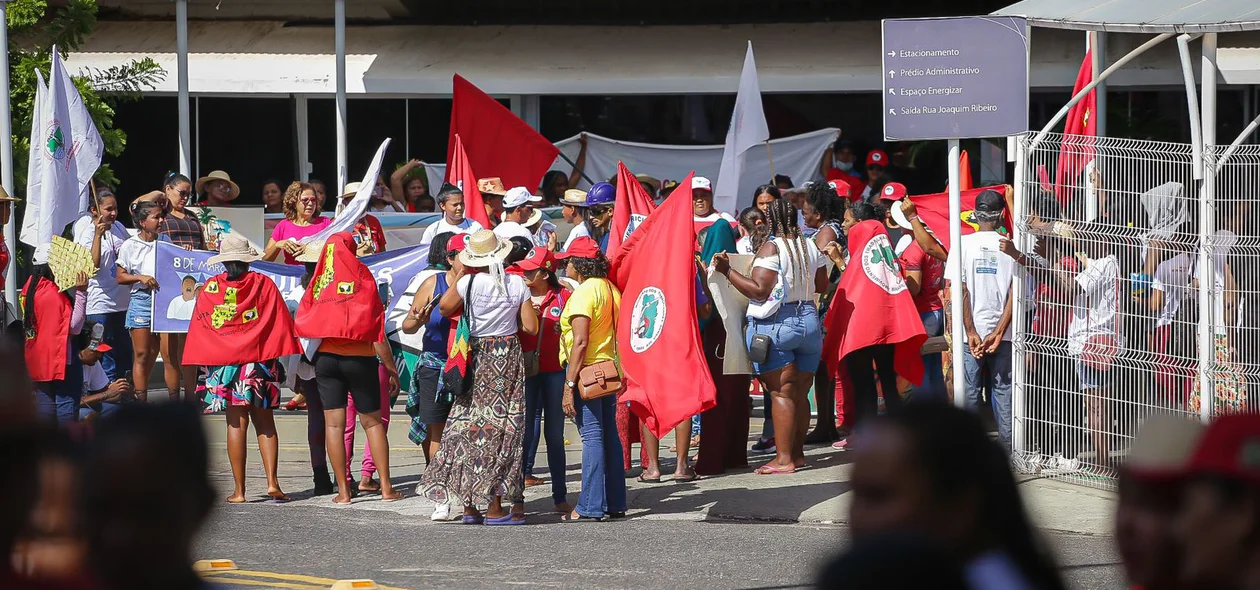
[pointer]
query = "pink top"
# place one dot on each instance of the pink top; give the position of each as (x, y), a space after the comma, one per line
(287, 229)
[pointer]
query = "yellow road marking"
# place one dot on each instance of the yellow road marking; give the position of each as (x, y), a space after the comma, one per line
(279, 576)
(242, 582)
(303, 581)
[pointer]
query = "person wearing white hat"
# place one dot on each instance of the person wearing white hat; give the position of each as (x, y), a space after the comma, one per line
(480, 460)
(450, 200)
(702, 204)
(218, 188)
(51, 321)
(369, 236)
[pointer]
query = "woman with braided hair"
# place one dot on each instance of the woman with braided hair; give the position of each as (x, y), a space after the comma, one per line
(788, 271)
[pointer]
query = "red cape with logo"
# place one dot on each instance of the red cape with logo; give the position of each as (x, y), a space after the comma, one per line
(459, 172)
(658, 333)
(499, 143)
(46, 350)
(238, 322)
(872, 287)
(342, 301)
(934, 211)
(632, 207)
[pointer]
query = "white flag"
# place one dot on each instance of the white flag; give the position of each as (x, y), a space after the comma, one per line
(35, 161)
(354, 210)
(66, 150)
(748, 128)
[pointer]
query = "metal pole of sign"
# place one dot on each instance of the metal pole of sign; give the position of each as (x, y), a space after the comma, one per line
(181, 64)
(340, 43)
(6, 158)
(956, 287)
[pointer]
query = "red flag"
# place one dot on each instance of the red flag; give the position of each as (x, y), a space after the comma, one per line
(342, 301)
(460, 173)
(238, 322)
(499, 143)
(1080, 131)
(934, 211)
(633, 205)
(658, 333)
(964, 172)
(46, 347)
(872, 287)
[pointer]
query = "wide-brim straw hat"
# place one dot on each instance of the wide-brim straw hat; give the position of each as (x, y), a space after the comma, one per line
(218, 175)
(484, 248)
(235, 248)
(492, 186)
(534, 218)
(352, 189)
(310, 253)
(5, 198)
(650, 181)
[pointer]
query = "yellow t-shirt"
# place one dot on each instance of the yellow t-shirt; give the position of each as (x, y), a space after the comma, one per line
(599, 300)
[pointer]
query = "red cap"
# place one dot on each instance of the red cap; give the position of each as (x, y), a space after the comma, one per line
(1230, 448)
(842, 188)
(877, 158)
(457, 243)
(893, 191)
(583, 247)
(538, 258)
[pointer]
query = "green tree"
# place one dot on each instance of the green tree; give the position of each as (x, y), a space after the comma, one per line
(34, 28)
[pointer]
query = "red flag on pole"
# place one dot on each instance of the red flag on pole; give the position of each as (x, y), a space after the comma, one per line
(872, 287)
(934, 211)
(1080, 130)
(632, 207)
(658, 333)
(498, 142)
(964, 172)
(459, 172)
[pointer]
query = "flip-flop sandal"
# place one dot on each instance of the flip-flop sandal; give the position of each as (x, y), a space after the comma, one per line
(508, 519)
(686, 478)
(470, 519)
(772, 470)
(579, 518)
(648, 479)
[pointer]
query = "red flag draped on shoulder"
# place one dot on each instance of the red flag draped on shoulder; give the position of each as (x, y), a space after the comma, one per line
(933, 209)
(459, 172)
(342, 301)
(632, 207)
(1080, 130)
(238, 322)
(498, 142)
(655, 270)
(872, 287)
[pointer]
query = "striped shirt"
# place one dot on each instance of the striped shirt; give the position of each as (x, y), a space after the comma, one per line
(184, 232)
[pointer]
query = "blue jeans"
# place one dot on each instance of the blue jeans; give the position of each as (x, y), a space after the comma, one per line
(59, 400)
(119, 360)
(795, 337)
(933, 387)
(991, 372)
(543, 393)
(603, 481)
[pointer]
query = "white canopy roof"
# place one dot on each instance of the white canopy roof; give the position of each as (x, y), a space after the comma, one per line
(1141, 16)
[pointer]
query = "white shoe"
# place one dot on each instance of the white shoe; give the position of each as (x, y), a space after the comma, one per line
(442, 513)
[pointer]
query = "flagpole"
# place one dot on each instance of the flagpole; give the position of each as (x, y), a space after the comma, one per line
(955, 272)
(575, 167)
(6, 158)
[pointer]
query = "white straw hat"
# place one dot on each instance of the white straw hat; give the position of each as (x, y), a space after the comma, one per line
(235, 191)
(234, 248)
(484, 248)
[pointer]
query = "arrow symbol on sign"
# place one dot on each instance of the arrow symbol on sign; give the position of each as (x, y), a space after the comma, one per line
(892, 54)
(892, 112)
(890, 91)
(892, 74)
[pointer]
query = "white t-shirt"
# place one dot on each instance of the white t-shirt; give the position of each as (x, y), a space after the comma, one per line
(104, 294)
(1172, 278)
(986, 272)
(139, 257)
(713, 218)
(180, 309)
(1094, 308)
(494, 312)
(578, 231)
(744, 245)
(467, 226)
(798, 284)
(94, 378)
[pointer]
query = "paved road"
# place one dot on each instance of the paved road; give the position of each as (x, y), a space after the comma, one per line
(735, 531)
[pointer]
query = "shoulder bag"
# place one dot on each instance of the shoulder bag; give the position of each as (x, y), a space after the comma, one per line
(457, 374)
(599, 379)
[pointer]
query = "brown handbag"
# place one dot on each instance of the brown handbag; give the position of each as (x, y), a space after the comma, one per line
(598, 380)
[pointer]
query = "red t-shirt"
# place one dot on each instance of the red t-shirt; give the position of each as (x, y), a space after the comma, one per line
(373, 228)
(4, 260)
(931, 280)
(548, 331)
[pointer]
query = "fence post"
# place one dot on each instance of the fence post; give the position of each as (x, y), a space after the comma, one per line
(1019, 446)
(1207, 209)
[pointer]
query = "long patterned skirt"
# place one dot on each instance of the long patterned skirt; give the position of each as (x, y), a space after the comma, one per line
(480, 455)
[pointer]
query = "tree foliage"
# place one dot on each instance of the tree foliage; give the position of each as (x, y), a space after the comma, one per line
(34, 29)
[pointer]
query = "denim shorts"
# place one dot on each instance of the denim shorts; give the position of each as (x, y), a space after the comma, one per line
(140, 310)
(1091, 378)
(795, 337)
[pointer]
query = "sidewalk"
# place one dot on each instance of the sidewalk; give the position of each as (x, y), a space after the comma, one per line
(817, 495)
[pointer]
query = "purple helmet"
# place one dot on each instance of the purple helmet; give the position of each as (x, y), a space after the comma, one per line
(601, 194)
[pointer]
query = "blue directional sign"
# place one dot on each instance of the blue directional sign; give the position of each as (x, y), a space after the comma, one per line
(954, 78)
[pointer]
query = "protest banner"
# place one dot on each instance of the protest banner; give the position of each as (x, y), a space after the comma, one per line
(181, 273)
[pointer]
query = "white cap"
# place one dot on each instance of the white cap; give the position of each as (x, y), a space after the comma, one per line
(41, 254)
(700, 182)
(517, 196)
(511, 229)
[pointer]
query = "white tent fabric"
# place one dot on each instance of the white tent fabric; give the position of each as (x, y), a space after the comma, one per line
(796, 156)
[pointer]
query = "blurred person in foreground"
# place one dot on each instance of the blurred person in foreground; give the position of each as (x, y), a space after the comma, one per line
(146, 540)
(907, 478)
(879, 563)
(1150, 497)
(1219, 522)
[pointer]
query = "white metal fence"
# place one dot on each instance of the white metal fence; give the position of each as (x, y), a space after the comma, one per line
(1110, 322)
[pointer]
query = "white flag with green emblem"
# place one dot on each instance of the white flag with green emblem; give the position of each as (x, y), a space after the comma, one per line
(66, 150)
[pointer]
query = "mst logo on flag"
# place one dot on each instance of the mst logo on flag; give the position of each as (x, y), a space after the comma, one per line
(635, 220)
(55, 143)
(880, 265)
(647, 318)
